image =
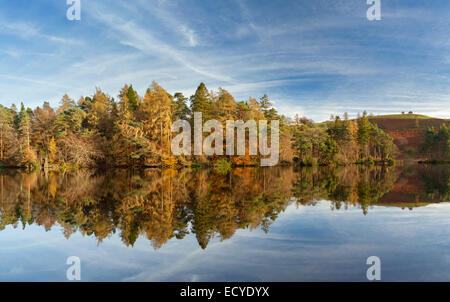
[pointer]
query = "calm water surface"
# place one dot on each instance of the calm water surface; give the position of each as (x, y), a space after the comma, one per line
(277, 224)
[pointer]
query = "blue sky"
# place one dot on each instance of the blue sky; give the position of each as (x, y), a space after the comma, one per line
(314, 58)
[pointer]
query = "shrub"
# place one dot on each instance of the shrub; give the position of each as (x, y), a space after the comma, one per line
(222, 166)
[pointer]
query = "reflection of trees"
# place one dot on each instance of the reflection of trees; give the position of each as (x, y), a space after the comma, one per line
(344, 186)
(246, 198)
(436, 181)
(160, 205)
(156, 204)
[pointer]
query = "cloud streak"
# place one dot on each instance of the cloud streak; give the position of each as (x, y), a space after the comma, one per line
(315, 56)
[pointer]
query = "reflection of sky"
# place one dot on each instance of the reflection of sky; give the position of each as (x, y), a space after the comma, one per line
(304, 244)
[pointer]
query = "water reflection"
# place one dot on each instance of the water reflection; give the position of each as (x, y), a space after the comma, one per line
(405, 187)
(160, 205)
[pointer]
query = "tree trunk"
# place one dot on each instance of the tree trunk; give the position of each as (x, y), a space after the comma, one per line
(1, 145)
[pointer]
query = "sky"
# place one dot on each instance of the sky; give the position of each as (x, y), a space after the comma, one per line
(313, 58)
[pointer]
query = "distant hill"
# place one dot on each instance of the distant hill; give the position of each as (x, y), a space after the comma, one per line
(403, 116)
(408, 132)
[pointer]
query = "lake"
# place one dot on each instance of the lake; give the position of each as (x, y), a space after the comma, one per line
(254, 224)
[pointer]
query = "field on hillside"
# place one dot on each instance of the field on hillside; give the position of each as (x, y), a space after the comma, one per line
(408, 132)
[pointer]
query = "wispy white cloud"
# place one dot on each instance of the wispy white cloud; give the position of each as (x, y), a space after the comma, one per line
(26, 30)
(189, 34)
(168, 20)
(30, 80)
(133, 35)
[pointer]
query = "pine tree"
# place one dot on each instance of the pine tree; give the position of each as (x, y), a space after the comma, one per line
(270, 113)
(202, 102)
(364, 128)
(132, 98)
(265, 103)
(24, 127)
(180, 108)
(27, 154)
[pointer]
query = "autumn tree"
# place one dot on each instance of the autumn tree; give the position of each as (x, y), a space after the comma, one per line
(8, 134)
(156, 115)
(66, 103)
(224, 106)
(52, 150)
(43, 129)
(99, 114)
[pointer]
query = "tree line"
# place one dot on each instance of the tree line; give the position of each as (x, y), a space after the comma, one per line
(135, 130)
(342, 142)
